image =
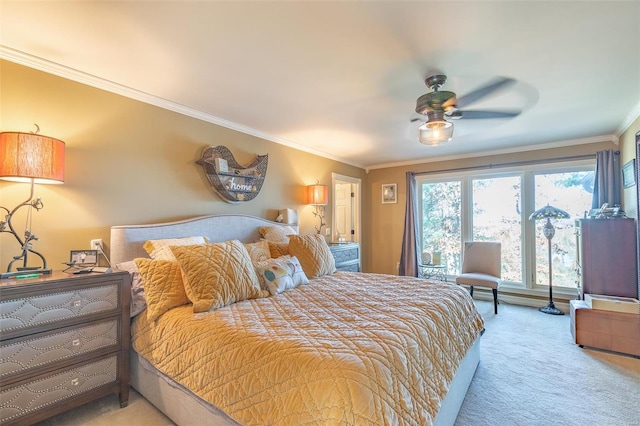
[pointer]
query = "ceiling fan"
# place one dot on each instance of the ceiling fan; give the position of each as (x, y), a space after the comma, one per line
(440, 106)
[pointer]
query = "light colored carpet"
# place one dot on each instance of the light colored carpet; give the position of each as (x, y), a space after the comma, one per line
(530, 374)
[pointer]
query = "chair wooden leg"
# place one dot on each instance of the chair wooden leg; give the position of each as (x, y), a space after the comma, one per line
(495, 300)
(471, 291)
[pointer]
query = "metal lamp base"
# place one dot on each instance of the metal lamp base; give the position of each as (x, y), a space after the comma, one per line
(551, 310)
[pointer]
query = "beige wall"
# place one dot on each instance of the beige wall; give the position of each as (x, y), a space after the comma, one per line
(627, 153)
(128, 162)
(388, 218)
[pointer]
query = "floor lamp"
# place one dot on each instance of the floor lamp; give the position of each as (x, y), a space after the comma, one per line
(549, 212)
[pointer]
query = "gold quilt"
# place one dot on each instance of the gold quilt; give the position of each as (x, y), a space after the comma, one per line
(347, 349)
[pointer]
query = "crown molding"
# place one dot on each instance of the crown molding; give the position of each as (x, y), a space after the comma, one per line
(49, 67)
(628, 121)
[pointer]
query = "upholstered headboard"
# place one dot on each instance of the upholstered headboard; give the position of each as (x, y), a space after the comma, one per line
(127, 240)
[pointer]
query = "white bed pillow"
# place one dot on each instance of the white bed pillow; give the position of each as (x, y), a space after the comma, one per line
(160, 249)
(276, 233)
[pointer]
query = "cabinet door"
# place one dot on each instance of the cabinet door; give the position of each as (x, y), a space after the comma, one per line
(609, 257)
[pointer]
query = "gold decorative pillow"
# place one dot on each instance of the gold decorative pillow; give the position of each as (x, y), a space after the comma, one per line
(258, 252)
(278, 234)
(163, 287)
(313, 253)
(159, 249)
(278, 249)
(217, 275)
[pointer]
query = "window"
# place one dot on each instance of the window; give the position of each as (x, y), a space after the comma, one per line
(497, 216)
(441, 225)
(571, 192)
(495, 206)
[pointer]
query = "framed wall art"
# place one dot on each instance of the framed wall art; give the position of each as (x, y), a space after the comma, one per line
(629, 173)
(389, 193)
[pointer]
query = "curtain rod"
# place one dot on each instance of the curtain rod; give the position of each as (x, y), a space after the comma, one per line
(510, 164)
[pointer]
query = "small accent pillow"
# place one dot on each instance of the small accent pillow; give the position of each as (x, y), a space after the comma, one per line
(138, 299)
(217, 275)
(159, 249)
(314, 254)
(283, 273)
(278, 249)
(163, 286)
(258, 252)
(278, 234)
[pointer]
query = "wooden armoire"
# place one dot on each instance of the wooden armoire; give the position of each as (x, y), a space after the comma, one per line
(607, 256)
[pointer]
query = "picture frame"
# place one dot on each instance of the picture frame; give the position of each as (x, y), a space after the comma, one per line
(389, 193)
(629, 173)
(83, 257)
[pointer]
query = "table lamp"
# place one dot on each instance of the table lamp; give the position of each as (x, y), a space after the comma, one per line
(33, 158)
(318, 196)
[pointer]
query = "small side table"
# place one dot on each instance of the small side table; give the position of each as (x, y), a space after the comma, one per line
(429, 270)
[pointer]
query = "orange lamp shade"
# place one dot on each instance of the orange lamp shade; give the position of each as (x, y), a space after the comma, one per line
(317, 194)
(27, 156)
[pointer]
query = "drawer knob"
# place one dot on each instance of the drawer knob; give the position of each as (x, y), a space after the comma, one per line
(75, 342)
(75, 382)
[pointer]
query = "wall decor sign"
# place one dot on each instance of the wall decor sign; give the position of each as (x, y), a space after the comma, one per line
(389, 193)
(233, 182)
(629, 173)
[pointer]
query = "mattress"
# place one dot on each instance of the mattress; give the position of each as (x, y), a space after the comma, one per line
(348, 348)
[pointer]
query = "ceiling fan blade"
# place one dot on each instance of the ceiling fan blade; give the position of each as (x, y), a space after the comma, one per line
(483, 91)
(473, 115)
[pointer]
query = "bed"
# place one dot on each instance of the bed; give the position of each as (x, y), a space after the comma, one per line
(344, 348)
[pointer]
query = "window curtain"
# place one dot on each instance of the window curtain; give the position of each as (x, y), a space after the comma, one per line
(607, 186)
(409, 255)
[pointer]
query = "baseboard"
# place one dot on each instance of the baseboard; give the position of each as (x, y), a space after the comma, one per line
(560, 302)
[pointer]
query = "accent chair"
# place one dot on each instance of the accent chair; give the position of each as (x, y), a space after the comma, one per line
(482, 267)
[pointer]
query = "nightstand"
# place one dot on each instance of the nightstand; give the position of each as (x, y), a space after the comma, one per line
(347, 256)
(64, 341)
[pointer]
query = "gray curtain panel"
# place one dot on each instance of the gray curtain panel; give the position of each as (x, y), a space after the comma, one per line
(409, 256)
(607, 186)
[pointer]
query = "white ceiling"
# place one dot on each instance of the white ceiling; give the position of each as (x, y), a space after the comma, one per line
(341, 78)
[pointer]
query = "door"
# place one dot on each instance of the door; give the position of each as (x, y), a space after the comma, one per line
(343, 209)
(346, 208)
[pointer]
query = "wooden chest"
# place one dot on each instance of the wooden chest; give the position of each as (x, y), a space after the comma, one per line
(609, 330)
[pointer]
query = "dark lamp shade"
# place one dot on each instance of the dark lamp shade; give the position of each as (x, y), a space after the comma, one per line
(27, 156)
(317, 194)
(549, 212)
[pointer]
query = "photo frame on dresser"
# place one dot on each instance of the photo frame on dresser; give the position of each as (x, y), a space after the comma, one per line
(83, 257)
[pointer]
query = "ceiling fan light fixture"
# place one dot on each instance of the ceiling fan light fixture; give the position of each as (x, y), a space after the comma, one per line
(435, 132)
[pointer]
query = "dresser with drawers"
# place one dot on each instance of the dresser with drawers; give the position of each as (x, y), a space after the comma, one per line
(64, 341)
(347, 256)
